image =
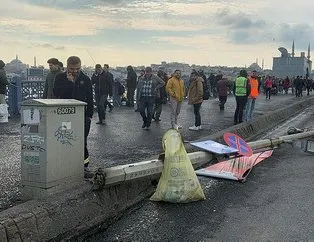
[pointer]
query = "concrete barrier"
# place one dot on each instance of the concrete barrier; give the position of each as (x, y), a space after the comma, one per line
(82, 211)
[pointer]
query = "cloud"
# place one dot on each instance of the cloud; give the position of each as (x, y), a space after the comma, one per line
(47, 46)
(238, 20)
(242, 29)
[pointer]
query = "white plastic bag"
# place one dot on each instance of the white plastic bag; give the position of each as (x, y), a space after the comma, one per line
(4, 114)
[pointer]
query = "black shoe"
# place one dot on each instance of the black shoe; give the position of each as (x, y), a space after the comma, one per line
(144, 125)
(136, 110)
(147, 126)
(157, 119)
(99, 122)
(110, 109)
(153, 118)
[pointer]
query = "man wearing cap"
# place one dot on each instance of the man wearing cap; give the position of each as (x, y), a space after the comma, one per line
(254, 93)
(54, 66)
(148, 88)
(3, 82)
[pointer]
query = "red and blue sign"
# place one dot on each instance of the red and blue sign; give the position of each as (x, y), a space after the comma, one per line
(238, 143)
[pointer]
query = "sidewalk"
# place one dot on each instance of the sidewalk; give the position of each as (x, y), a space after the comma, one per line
(122, 141)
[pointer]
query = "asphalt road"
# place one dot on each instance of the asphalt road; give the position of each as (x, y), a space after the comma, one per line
(275, 204)
(121, 140)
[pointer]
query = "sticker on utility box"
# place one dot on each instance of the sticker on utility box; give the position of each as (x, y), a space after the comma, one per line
(66, 110)
(31, 116)
(66, 125)
(31, 158)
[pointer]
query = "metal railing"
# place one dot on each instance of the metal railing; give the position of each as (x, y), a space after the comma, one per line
(21, 90)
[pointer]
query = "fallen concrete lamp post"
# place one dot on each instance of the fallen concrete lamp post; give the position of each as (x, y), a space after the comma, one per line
(152, 168)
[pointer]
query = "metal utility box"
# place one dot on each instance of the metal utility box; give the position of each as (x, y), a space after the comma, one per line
(52, 140)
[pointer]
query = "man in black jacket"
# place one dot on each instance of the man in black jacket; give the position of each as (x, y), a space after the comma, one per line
(131, 83)
(103, 88)
(74, 84)
(109, 79)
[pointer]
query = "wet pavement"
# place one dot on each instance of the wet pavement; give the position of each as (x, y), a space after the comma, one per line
(274, 204)
(121, 140)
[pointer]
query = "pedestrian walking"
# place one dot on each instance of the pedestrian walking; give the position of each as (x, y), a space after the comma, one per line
(176, 90)
(254, 93)
(118, 92)
(131, 83)
(161, 96)
(103, 88)
(108, 75)
(268, 85)
(196, 99)
(142, 73)
(147, 88)
(222, 90)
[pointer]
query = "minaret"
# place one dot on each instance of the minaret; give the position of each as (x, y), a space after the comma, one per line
(34, 61)
(309, 52)
(292, 54)
(263, 64)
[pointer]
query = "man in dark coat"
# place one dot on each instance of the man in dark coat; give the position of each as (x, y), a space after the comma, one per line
(74, 84)
(103, 88)
(161, 96)
(54, 67)
(223, 86)
(131, 83)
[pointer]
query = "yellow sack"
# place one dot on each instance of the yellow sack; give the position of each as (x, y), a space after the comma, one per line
(178, 182)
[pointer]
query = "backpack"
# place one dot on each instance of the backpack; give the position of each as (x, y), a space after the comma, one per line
(121, 89)
(206, 93)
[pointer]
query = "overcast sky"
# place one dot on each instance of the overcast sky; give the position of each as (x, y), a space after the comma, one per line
(123, 32)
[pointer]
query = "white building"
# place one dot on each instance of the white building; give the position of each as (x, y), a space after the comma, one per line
(290, 65)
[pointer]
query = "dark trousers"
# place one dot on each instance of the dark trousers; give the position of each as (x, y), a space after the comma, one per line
(147, 109)
(197, 114)
(222, 102)
(87, 123)
(308, 90)
(157, 108)
(101, 104)
(130, 96)
(299, 91)
(268, 92)
(238, 115)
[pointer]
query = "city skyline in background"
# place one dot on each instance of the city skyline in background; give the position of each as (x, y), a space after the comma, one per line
(141, 32)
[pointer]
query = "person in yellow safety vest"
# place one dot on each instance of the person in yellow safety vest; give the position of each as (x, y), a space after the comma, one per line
(254, 93)
(241, 91)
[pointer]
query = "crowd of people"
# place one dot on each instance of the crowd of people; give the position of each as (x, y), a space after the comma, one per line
(151, 91)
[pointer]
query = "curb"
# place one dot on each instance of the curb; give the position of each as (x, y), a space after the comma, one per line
(81, 211)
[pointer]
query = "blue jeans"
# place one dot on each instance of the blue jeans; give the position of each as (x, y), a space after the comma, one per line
(249, 109)
(146, 106)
